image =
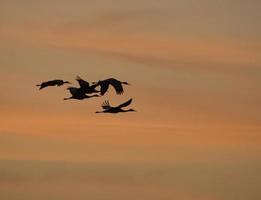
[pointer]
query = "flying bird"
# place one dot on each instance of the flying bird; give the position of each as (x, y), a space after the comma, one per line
(116, 84)
(86, 87)
(109, 109)
(57, 82)
(78, 93)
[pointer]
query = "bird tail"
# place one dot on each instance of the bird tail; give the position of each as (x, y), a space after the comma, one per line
(67, 98)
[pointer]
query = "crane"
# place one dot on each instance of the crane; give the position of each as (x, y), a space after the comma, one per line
(109, 109)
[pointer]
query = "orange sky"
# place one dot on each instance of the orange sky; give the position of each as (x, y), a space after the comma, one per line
(195, 72)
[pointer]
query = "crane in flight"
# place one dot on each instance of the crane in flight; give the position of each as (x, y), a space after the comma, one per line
(56, 82)
(109, 109)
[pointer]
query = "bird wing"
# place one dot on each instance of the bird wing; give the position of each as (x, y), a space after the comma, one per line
(104, 87)
(106, 105)
(117, 85)
(82, 82)
(125, 104)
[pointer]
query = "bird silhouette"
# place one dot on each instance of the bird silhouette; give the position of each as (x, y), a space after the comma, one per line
(78, 93)
(86, 87)
(56, 82)
(117, 85)
(109, 109)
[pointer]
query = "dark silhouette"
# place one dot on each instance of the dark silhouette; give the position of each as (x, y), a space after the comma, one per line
(52, 83)
(86, 87)
(111, 81)
(78, 93)
(109, 109)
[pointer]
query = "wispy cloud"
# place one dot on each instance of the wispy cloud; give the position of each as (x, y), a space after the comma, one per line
(139, 47)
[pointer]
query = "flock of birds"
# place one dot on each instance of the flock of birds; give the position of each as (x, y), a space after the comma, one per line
(85, 89)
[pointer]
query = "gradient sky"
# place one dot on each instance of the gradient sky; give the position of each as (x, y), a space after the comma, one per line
(195, 70)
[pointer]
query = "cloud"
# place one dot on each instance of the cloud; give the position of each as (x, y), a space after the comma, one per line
(154, 49)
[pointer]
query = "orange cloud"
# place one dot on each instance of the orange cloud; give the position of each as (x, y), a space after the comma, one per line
(141, 47)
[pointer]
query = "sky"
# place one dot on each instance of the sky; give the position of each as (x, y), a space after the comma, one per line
(195, 74)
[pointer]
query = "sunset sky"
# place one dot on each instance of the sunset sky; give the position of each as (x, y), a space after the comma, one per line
(195, 74)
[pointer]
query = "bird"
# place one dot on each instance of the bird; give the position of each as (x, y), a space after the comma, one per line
(78, 93)
(104, 85)
(86, 87)
(56, 82)
(109, 109)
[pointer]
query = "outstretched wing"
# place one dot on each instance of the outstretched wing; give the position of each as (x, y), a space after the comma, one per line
(104, 87)
(82, 83)
(106, 105)
(125, 104)
(117, 85)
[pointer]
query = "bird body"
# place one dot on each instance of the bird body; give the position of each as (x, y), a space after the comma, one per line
(56, 82)
(78, 93)
(109, 109)
(116, 84)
